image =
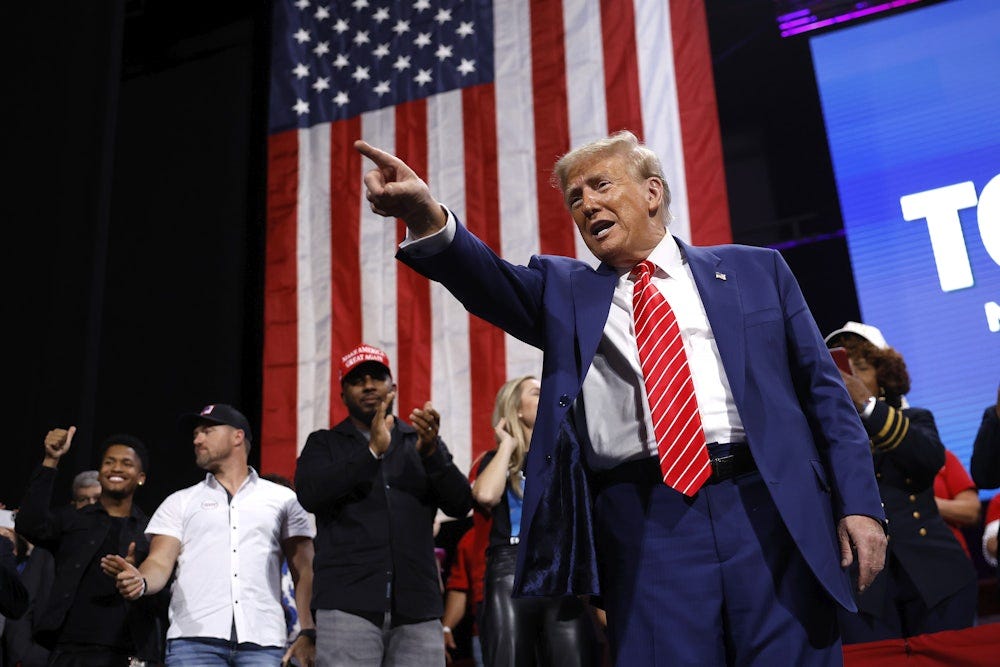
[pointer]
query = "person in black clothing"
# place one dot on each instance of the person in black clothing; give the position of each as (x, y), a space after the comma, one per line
(520, 632)
(86, 621)
(36, 569)
(928, 584)
(13, 595)
(375, 484)
(986, 449)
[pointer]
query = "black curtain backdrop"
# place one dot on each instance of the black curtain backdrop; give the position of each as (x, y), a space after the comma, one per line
(134, 204)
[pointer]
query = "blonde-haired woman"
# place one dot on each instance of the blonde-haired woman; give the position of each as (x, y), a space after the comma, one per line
(522, 631)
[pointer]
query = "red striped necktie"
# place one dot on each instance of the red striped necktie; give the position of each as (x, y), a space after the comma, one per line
(669, 388)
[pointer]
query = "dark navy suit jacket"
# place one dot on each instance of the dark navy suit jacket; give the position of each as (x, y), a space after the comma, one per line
(802, 428)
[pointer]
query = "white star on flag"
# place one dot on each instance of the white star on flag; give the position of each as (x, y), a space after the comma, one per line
(443, 52)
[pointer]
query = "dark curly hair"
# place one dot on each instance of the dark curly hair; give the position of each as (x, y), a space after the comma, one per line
(890, 369)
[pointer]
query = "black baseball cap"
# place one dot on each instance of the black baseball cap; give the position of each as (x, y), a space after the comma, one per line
(217, 413)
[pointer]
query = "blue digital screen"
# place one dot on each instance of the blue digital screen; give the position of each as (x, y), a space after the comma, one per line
(912, 110)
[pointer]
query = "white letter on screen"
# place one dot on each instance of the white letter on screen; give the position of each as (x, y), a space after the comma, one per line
(940, 208)
(993, 315)
(989, 218)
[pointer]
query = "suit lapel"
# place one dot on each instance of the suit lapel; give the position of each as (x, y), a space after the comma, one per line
(719, 287)
(592, 294)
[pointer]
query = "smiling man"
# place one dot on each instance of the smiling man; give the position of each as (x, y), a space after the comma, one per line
(86, 622)
(695, 458)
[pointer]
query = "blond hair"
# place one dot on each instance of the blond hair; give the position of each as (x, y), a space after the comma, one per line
(640, 160)
(506, 406)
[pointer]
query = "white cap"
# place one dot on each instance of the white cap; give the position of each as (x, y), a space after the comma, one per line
(866, 331)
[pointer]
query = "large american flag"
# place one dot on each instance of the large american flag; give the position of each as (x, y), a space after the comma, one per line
(480, 99)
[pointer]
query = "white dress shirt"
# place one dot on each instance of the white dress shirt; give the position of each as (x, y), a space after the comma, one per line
(614, 403)
(614, 406)
(229, 567)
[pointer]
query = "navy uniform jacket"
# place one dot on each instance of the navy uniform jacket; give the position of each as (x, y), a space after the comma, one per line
(908, 455)
(802, 428)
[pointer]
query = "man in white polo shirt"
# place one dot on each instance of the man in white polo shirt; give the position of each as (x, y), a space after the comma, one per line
(227, 535)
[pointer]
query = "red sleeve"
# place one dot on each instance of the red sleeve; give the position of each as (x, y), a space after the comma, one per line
(993, 509)
(952, 479)
(458, 578)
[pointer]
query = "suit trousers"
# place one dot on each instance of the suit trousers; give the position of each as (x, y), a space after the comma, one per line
(714, 579)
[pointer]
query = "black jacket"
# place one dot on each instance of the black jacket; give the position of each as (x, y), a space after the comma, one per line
(986, 451)
(375, 520)
(74, 536)
(908, 454)
(13, 594)
(20, 648)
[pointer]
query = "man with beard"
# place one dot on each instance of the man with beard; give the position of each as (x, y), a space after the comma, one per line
(375, 484)
(86, 622)
(226, 536)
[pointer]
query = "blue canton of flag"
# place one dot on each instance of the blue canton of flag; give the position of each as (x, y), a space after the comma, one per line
(335, 60)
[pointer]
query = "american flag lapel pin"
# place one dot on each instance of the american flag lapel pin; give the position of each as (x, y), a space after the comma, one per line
(720, 276)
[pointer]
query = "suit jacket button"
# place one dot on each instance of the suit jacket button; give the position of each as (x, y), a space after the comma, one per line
(913, 499)
(564, 400)
(908, 480)
(923, 532)
(548, 458)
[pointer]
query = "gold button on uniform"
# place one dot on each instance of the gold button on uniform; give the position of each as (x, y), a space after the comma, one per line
(908, 480)
(916, 515)
(923, 531)
(913, 499)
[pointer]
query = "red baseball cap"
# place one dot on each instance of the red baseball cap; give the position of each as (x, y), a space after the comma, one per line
(363, 354)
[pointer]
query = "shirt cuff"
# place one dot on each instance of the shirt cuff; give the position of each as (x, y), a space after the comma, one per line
(869, 407)
(990, 531)
(431, 244)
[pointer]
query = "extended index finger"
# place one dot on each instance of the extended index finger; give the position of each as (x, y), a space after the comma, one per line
(381, 158)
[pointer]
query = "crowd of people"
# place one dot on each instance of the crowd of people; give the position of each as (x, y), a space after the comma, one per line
(692, 480)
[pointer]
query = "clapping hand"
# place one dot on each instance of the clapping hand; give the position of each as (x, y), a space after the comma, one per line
(427, 421)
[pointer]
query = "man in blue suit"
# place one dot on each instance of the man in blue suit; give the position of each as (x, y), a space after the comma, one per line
(746, 569)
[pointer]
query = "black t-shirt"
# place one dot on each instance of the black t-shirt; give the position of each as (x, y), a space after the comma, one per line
(500, 531)
(97, 615)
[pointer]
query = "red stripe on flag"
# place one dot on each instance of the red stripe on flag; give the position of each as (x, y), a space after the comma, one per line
(487, 353)
(621, 67)
(413, 294)
(708, 206)
(548, 81)
(280, 363)
(345, 262)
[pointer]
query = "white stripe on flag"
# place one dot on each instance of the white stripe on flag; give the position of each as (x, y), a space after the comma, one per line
(378, 247)
(516, 149)
(588, 112)
(313, 271)
(658, 88)
(450, 373)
